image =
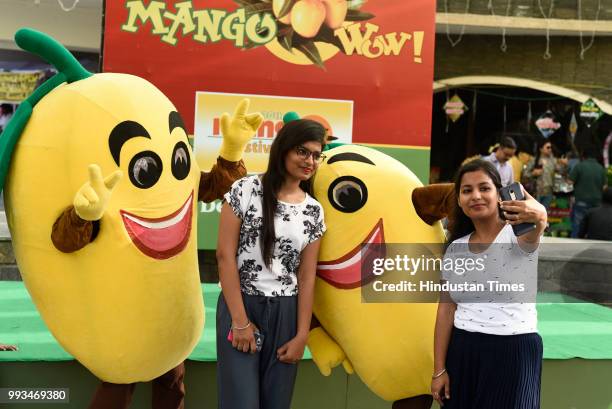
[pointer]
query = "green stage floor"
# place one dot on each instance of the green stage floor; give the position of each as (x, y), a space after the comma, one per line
(569, 330)
(577, 367)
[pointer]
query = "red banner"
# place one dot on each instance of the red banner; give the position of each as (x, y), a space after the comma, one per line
(378, 54)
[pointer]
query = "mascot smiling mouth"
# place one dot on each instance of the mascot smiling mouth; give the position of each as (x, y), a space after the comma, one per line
(346, 272)
(163, 237)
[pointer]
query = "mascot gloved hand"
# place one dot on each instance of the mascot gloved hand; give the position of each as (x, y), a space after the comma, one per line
(238, 130)
(91, 200)
(326, 353)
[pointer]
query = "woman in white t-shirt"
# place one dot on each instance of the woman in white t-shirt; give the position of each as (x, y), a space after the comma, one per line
(269, 236)
(487, 352)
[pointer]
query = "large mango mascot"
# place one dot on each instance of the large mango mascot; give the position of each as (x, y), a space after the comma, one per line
(101, 191)
(370, 197)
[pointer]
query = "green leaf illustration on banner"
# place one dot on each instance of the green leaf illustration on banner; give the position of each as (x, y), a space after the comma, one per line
(309, 44)
(590, 112)
(357, 15)
(244, 3)
(285, 37)
(311, 52)
(326, 35)
(287, 6)
(257, 9)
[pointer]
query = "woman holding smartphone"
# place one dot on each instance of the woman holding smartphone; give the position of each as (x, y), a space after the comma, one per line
(269, 237)
(487, 352)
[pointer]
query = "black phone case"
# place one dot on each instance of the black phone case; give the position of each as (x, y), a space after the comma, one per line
(259, 338)
(506, 193)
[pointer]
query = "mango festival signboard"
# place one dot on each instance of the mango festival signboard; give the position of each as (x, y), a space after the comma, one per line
(377, 54)
(338, 115)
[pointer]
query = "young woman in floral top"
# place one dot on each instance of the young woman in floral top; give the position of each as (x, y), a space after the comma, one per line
(269, 235)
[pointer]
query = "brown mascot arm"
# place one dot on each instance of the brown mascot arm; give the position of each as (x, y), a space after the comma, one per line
(71, 233)
(217, 182)
(434, 202)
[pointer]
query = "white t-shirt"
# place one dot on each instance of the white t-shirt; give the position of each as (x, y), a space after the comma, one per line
(504, 261)
(295, 225)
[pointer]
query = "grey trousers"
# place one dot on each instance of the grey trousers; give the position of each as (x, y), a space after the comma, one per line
(260, 380)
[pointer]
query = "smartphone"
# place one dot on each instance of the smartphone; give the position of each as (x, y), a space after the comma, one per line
(258, 339)
(514, 192)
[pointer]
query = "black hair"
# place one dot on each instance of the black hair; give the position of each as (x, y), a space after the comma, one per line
(590, 151)
(462, 224)
(507, 142)
(538, 152)
(7, 108)
(291, 135)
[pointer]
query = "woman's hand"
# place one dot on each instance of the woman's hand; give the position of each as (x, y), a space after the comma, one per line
(537, 172)
(524, 211)
(293, 350)
(244, 339)
(440, 388)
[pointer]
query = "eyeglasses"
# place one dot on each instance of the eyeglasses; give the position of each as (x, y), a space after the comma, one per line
(304, 154)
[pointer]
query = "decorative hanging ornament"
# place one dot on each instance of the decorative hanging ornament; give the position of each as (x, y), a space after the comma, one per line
(573, 126)
(454, 108)
(547, 123)
(590, 112)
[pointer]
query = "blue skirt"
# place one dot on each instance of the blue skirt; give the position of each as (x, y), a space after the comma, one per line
(494, 371)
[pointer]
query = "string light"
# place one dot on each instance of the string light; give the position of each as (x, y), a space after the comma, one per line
(503, 47)
(452, 42)
(61, 3)
(584, 49)
(547, 55)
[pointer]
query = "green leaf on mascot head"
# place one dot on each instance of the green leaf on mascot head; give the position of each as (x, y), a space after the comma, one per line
(293, 116)
(333, 145)
(290, 116)
(69, 70)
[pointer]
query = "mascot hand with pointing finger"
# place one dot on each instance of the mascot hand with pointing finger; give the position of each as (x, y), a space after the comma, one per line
(101, 190)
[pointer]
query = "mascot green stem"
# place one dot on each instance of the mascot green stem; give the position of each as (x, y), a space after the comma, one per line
(69, 70)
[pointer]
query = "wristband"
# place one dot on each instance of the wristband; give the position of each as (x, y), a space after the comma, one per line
(241, 328)
(439, 374)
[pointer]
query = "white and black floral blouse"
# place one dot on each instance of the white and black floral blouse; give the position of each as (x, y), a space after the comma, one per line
(295, 225)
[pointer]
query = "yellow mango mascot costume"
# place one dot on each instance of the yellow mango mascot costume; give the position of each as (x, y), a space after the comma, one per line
(368, 198)
(101, 192)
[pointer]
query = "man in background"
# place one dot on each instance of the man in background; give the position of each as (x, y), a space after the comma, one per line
(589, 179)
(500, 158)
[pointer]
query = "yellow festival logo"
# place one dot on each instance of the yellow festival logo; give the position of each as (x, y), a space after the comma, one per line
(297, 31)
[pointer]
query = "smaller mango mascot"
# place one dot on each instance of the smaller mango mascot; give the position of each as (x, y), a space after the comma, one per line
(370, 199)
(111, 260)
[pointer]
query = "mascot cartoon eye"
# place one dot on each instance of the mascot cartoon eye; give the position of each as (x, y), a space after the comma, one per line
(145, 169)
(181, 162)
(347, 194)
